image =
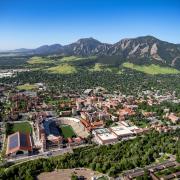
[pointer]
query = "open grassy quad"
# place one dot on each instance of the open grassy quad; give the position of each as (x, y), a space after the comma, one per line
(27, 87)
(23, 127)
(151, 69)
(67, 131)
(63, 69)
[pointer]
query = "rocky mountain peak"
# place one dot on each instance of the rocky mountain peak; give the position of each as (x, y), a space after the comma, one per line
(146, 48)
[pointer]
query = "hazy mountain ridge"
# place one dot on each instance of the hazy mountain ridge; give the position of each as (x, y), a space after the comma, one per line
(146, 49)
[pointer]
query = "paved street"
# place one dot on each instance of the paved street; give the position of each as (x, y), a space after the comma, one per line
(42, 155)
(46, 154)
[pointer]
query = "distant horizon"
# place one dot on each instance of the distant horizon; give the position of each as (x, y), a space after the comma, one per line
(3, 50)
(33, 23)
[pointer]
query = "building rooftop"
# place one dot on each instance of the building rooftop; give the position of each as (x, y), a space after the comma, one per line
(101, 131)
(132, 128)
(104, 134)
(121, 130)
(18, 142)
(107, 136)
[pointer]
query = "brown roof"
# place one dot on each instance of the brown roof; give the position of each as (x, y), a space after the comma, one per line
(85, 123)
(97, 123)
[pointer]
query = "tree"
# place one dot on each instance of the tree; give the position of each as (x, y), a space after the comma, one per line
(74, 177)
(98, 167)
(112, 171)
(93, 166)
(178, 152)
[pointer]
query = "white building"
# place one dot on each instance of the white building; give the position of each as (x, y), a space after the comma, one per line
(104, 136)
(121, 131)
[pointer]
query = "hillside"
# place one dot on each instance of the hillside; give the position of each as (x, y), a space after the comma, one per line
(141, 50)
(73, 64)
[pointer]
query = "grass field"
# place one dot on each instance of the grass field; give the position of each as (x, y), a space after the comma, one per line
(151, 69)
(38, 60)
(23, 127)
(47, 60)
(71, 59)
(101, 67)
(27, 87)
(63, 69)
(75, 58)
(67, 131)
(97, 67)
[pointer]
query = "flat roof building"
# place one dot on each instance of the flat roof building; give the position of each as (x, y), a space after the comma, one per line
(104, 136)
(121, 131)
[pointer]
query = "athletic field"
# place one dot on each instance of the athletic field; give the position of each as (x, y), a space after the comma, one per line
(67, 131)
(23, 127)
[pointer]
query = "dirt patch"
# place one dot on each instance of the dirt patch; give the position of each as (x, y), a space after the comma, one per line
(65, 174)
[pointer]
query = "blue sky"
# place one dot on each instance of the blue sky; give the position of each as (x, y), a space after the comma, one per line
(31, 23)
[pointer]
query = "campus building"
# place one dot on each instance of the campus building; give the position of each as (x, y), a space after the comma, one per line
(18, 143)
(121, 131)
(104, 136)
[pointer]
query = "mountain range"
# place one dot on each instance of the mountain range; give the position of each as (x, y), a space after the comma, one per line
(144, 49)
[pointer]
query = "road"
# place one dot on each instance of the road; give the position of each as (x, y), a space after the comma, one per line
(162, 165)
(42, 155)
(46, 154)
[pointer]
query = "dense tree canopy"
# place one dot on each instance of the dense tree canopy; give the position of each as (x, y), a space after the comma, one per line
(111, 159)
(130, 82)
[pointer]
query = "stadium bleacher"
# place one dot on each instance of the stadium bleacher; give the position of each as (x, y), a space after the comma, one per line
(51, 127)
(75, 124)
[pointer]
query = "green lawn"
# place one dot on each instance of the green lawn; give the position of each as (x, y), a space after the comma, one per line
(27, 87)
(23, 127)
(97, 67)
(67, 131)
(102, 67)
(39, 60)
(75, 58)
(151, 69)
(63, 69)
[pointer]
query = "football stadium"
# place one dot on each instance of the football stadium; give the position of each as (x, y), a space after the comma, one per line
(68, 125)
(50, 127)
(55, 132)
